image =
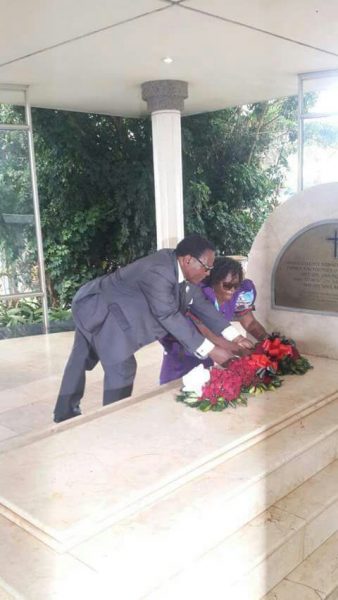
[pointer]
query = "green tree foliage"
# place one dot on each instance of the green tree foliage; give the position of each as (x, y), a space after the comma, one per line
(96, 194)
(234, 165)
(18, 255)
(95, 178)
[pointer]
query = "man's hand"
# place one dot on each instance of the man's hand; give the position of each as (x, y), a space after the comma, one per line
(220, 355)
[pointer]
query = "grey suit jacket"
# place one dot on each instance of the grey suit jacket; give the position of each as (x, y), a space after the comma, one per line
(121, 312)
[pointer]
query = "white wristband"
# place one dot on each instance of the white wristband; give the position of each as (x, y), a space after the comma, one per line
(230, 333)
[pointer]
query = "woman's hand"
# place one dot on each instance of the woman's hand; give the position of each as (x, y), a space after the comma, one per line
(243, 343)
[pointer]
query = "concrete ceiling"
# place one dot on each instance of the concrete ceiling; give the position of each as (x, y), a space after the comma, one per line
(92, 56)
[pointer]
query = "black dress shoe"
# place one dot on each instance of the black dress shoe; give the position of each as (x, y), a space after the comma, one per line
(75, 412)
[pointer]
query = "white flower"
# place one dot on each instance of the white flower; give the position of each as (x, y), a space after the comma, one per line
(195, 380)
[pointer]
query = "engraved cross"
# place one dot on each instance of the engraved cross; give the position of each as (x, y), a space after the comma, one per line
(335, 240)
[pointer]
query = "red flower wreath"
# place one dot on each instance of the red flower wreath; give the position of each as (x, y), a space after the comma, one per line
(260, 371)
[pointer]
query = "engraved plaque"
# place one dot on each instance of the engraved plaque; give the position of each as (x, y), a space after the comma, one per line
(306, 273)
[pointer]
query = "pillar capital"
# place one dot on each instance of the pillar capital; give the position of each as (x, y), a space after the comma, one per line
(165, 94)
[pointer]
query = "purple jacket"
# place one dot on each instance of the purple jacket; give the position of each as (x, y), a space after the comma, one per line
(241, 302)
(176, 360)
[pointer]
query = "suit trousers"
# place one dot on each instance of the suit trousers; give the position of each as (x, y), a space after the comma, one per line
(118, 378)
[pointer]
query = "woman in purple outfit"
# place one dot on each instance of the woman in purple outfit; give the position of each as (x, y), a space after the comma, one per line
(234, 297)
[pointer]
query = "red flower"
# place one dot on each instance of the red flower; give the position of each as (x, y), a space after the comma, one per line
(245, 368)
(275, 348)
(222, 384)
(295, 354)
(263, 362)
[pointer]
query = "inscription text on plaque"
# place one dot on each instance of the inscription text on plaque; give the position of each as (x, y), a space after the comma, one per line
(306, 276)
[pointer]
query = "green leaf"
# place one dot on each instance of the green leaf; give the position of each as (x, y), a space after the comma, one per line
(205, 407)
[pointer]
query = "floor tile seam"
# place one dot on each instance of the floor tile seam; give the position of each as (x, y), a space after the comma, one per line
(31, 382)
(314, 515)
(22, 403)
(8, 428)
(275, 548)
(307, 558)
(287, 535)
(296, 584)
(15, 413)
(12, 409)
(9, 444)
(307, 523)
(24, 389)
(301, 533)
(333, 595)
(316, 590)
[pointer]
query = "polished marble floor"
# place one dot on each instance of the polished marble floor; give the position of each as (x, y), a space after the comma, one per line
(30, 374)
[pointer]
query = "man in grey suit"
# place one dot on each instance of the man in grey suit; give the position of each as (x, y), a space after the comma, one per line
(119, 313)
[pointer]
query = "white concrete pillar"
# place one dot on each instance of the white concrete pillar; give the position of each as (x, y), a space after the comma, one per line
(165, 100)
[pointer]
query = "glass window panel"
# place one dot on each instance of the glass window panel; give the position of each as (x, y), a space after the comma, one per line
(19, 271)
(320, 150)
(60, 319)
(320, 95)
(12, 107)
(20, 317)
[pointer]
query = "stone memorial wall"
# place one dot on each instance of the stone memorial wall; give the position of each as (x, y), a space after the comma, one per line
(294, 264)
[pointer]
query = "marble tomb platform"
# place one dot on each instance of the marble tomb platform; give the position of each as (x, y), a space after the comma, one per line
(150, 499)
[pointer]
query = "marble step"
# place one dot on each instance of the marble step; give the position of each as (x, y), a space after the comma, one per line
(26, 410)
(242, 459)
(29, 570)
(296, 539)
(151, 488)
(260, 555)
(177, 530)
(316, 578)
(260, 452)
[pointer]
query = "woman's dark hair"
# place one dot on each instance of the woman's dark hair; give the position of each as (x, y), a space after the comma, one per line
(194, 245)
(223, 265)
